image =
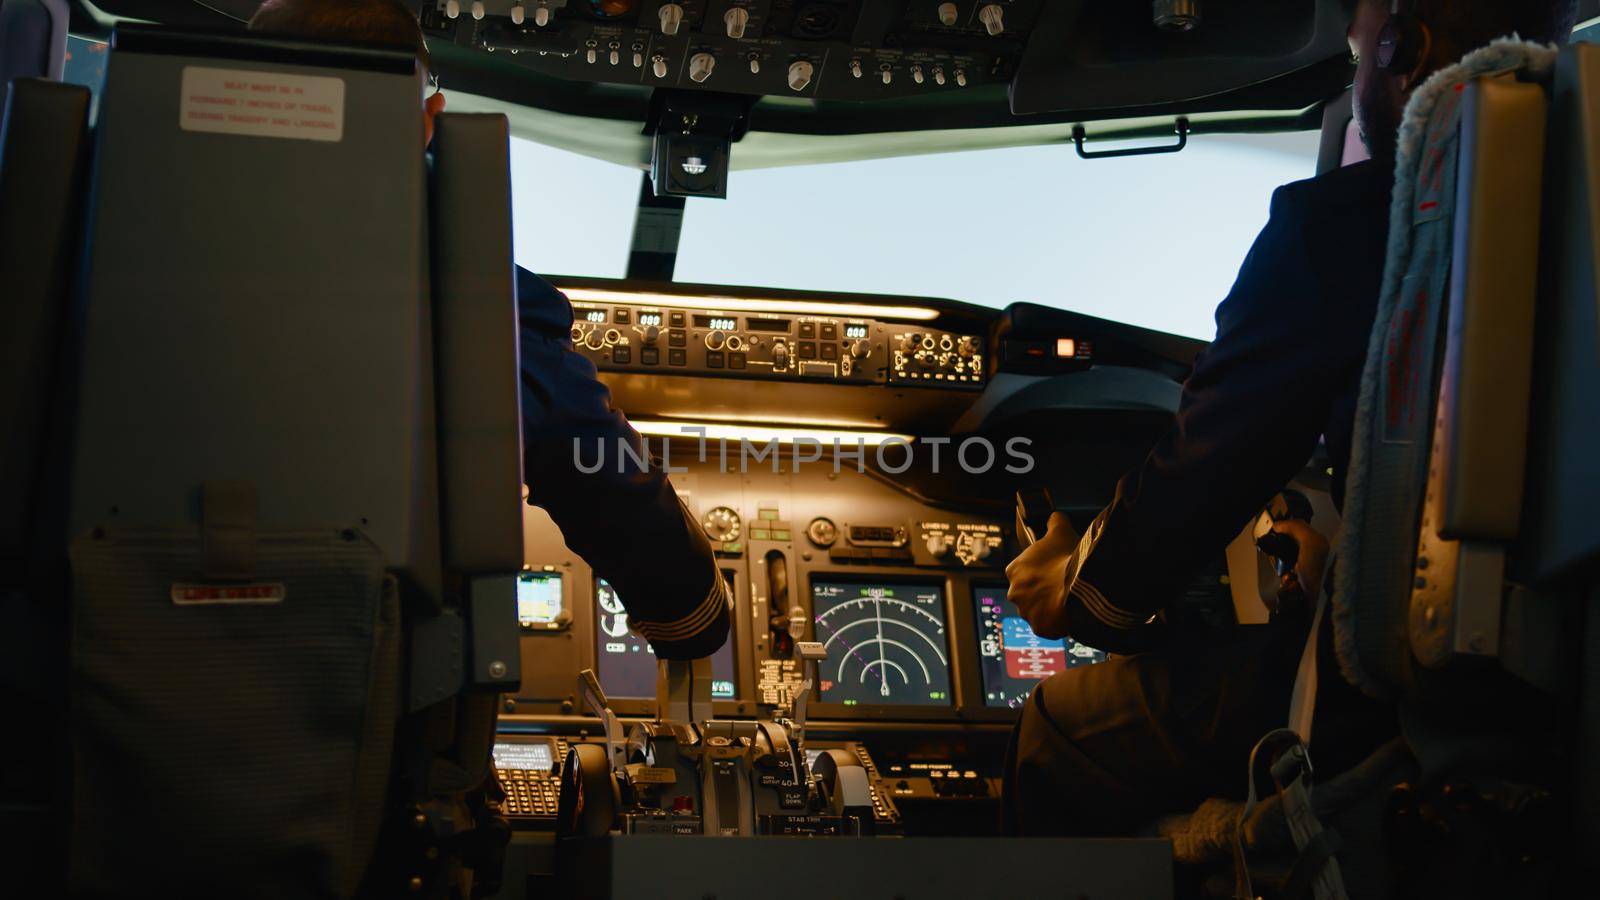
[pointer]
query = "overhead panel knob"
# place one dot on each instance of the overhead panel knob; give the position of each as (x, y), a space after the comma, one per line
(477, 9)
(855, 68)
(517, 13)
(700, 66)
(541, 15)
(800, 73)
(651, 334)
(948, 14)
(452, 9)
(938, 545)
(993, 17)
(658, 65)
(755, 64)
(1177, 15)
(860, 349)
(671, 17)
(736, 18)
(916, 73)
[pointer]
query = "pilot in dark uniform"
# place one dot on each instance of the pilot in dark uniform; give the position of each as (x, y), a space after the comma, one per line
(1106, 749)
(627, 523)
(625, 520)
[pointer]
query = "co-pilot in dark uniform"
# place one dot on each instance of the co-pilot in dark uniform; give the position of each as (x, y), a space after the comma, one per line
(624, 520)
(1108, 748)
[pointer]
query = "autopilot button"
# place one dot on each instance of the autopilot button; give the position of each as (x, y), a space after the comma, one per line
(714, 359)
(808, 350)
(621, 354)
(677, 337)
(737, 360)
(808, 329)
(830, 332)
(830, 351)
(677, 358)
(650, 356)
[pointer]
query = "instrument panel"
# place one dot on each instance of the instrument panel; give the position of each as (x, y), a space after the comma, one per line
(632, 334)
(927, 662)
(835, 49)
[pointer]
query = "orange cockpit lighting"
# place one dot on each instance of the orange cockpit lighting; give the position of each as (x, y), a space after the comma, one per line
(1066, 348)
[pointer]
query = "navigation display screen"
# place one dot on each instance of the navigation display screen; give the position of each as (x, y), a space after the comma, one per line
(1013, 658)
(627, 665)
(532, 757)
(539, 599)
(886, 641)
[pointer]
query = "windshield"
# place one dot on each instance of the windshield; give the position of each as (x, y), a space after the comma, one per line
(1153, 241)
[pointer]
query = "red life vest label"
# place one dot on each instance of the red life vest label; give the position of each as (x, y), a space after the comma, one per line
(264, 594)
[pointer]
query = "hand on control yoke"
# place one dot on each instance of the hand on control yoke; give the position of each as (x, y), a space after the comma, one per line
(1284, 533)
(1038, 579)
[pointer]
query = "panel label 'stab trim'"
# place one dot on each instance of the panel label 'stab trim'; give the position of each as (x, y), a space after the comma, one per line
(262, 104)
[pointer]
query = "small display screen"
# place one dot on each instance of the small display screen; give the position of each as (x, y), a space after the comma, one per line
(1012, 657)
(539, 599)
(531, 757)
(855, 332)
(716, 323)
(597, 316)
(772, 326)
(627, 665)
(650, 318)
(886, 642)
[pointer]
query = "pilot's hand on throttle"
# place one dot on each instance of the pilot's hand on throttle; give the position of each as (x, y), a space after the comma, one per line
(1313, 559)
(1038, 579)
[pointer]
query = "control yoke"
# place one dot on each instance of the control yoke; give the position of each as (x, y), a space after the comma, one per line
(1292, 596)
(1034, 508)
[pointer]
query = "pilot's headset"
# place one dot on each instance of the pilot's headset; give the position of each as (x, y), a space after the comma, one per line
(1405, 41)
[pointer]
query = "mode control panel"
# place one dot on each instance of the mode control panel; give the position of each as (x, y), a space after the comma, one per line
(951, 544)
(735, 344)
(838, 49)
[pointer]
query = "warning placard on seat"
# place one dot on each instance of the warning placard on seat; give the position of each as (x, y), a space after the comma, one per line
(262, 104)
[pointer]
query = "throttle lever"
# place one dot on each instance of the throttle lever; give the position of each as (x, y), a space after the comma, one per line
(595, 697)
(811, 653)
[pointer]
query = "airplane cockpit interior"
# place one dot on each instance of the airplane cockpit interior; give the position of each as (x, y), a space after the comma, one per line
(337, 548)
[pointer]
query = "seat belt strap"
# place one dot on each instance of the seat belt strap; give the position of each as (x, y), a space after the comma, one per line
(1303, 699)
(1291, 773)
(1311, 862)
